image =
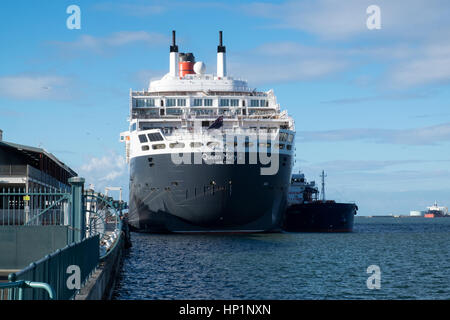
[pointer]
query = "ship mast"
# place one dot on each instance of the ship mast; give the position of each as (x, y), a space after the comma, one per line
(323, 175)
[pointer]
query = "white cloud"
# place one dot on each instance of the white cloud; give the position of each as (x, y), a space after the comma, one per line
(110, 169)
(34, 87)
(419, 136)
(286, 61)
(325, 18)
(332, 19)
(414, 38)
(131, 8)
(362, 165)
(105, 44)
(430, 65)
(407, 65)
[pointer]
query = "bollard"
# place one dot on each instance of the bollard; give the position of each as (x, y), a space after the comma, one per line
(77, 219)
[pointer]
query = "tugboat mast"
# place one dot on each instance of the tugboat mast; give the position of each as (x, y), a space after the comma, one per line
(323, 175)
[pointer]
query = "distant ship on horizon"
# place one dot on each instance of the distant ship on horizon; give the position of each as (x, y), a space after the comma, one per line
(436, 212)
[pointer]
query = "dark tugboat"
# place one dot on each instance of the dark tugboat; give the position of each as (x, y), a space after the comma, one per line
(306, 213)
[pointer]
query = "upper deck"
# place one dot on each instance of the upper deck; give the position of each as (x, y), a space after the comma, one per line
(187, 95)
(182, 99)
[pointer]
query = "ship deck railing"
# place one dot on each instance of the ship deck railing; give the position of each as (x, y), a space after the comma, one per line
(269, 115)
(200, 134)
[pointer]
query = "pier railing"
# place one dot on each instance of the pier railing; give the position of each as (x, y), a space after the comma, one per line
(14, 290)
(95, 231)
(62, 272)
(35, 207)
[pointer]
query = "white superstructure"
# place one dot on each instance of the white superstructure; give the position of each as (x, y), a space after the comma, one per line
(436, 208)
(175, 113)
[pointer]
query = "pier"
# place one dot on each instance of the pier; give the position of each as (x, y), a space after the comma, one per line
(57, 240)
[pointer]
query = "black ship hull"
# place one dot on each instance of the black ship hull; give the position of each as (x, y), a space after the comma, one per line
(320, 217)
(168, 197)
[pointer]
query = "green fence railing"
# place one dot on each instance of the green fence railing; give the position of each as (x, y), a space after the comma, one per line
(37, 206)
(14, 290)
(94, 232)
(58, 270)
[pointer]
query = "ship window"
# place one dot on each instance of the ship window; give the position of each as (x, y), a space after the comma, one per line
(290, 138)
(234, 102)
(145, 148)
(280, 146)
(283, 136)
(254, 103)
(174, 111)
(204, 112)
(143, 138)
(208, 102)
(141, 103)
(224, 102)
(158, 146)
(244, 111)
(196, 144)
(198, 102)
(155, 137)
(263, 103)
(133, 127)
(177, 145)
(170, 102)
(181, 102)
(289, 147)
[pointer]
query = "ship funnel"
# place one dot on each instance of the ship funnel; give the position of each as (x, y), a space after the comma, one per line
(221, 61)
(173, 56)
(186, 65)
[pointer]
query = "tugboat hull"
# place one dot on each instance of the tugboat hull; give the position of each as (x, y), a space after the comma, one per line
(320, 217)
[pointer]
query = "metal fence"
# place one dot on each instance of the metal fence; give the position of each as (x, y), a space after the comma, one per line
(36, 207)
(95, 229)
(56, 270)
(14, 290)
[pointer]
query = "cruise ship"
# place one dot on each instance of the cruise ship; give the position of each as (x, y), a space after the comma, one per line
(207, 153)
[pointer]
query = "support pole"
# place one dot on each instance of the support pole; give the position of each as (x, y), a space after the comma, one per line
(77, 219)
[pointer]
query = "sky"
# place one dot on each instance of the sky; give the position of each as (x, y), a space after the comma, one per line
(371, 106)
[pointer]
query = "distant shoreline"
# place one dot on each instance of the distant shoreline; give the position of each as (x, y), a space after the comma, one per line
(390, 216)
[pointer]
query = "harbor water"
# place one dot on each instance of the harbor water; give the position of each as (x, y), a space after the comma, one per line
(413, 255)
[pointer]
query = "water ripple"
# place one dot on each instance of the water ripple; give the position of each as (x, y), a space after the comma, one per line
(413, 254)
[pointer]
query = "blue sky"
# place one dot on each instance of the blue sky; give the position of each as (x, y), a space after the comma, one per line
(371, 106)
